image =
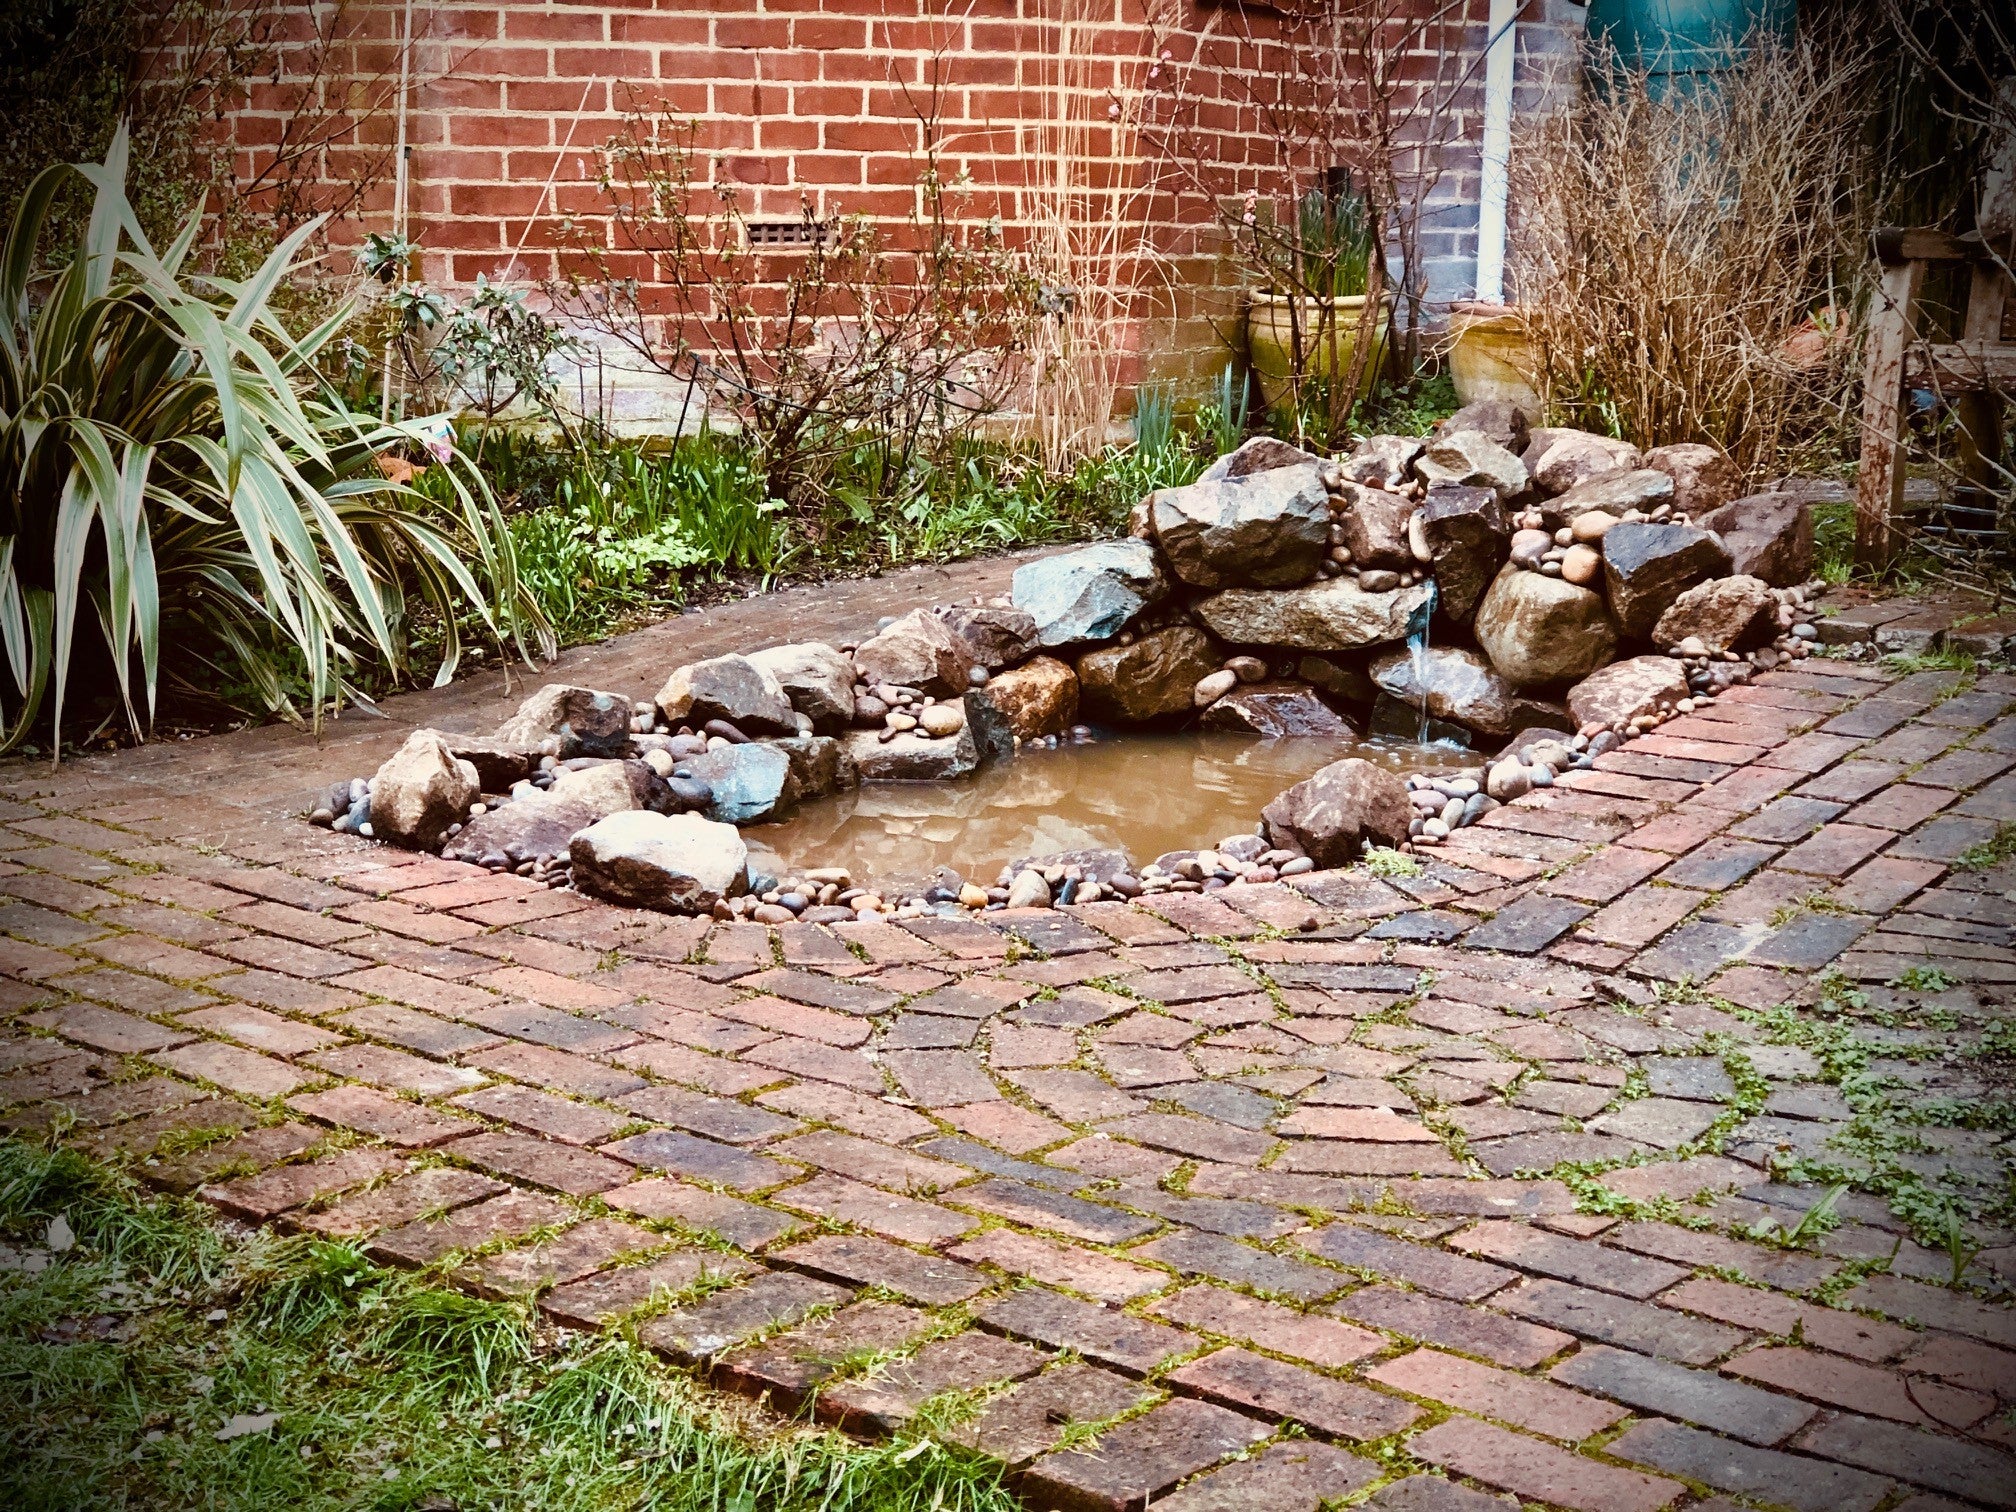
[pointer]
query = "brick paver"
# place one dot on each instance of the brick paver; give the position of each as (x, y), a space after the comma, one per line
(1294, 1171)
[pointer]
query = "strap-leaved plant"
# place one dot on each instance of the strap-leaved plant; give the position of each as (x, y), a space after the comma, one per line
(172, 471)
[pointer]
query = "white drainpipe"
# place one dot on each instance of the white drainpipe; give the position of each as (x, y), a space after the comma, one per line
(1493, 190)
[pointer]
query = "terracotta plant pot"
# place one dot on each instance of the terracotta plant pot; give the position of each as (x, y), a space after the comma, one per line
(1491, 356)
(1271, 332)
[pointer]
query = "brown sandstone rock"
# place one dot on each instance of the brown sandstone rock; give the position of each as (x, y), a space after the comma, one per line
(1275, 710)
(1558, 458)
(1623, 690)
(1538, 630)
(1040, 697)
(1703, 478)
(1769, 536)
(1148, 680)
(919, 651)
(1333, 815)
(420, 790)
(1724, 614)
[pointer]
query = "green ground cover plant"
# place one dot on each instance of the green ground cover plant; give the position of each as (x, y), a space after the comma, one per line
(148, 1360)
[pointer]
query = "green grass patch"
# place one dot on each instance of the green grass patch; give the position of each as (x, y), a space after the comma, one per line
(122, 1387)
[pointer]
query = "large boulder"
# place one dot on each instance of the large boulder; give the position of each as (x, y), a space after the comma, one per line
(1499, 419)
(1259, 455)
(679, 863)
(1646, 567)
(1274, 711)
(1615, 493)
(918, 651)
(913, 757)
(1040, 697)
(498, 763)
(1334, 615)
(1459, 685)
(1620, 692)
(1703, 477)
(819, 765)
(1335, 814)
(1558, 458)
(1467, 534)
(993, 736)
(420, 790)
(1089, 594)
(996, 635)
(1539, 630)
(1769, 536)
(533, 826)
(1724, 614)
(733, 688)
(612, 787)
(1383, 461)
(751, 782)
(1472, 459)
(1148, 680)
(1373, 524)
(581, 721)
(818, 681)
(1267, 529)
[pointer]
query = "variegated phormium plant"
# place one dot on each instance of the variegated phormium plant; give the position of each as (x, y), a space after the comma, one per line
(172, 469)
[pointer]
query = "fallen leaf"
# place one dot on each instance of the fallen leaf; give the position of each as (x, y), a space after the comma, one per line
(246, 1424)
(60, 1239)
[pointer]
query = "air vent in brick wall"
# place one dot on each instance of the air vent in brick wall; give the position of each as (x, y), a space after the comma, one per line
(785, 233)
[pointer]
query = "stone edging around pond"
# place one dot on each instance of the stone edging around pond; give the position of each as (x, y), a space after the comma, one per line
(1480, 582)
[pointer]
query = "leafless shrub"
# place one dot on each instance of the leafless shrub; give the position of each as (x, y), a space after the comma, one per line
(863, 335)
(1693, 266)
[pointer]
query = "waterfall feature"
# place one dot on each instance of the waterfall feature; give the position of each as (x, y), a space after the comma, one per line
(1417, 653)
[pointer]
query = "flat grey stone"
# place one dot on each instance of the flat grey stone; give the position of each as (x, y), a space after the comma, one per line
(1530, 925)
(1661, 1332)
(1663, 1122)
(1694, 1396)
(1806, 1485)
(1701, 1078)
(1227, 1260)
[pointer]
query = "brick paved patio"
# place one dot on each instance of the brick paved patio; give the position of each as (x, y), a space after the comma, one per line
(1417, 1183)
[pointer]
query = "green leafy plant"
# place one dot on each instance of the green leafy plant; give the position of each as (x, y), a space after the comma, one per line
(1334, 242)
(1960, 1246)
(1922, 979)
(170, 472)
(1154, 417)
(1815, 1221)
(1391, 863)
(1223, 420)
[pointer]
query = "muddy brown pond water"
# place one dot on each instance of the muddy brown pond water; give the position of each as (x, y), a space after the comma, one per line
(1143, 793)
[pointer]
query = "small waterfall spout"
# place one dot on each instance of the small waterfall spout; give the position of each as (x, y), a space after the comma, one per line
(1417, 654)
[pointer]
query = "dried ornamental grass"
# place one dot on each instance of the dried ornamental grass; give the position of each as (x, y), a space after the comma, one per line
(1691, 266)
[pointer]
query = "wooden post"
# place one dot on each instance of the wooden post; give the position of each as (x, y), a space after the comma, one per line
(1979, 411)
(1879, 490)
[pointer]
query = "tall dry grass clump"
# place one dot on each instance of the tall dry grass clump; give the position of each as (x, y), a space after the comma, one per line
(1085, 202)
(1693, 267)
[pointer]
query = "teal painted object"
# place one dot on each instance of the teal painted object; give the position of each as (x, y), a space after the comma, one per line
(1682, 44)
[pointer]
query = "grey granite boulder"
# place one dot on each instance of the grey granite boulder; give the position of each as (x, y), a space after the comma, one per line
(818, 681)
(1472, 460)
(533, 826)
(579, 721)
(420, 790)
(750, 783)
(1539, 631)
(1769, 536)
(1259, 455)
(1266, 529)
(1620, 692)
(1456, 684)
(912, 757)
(1724, 614)
(1373, 523)
(1383, 461)
(1498, 419)
(679, 863)
(1646, 567)
(1558, 458)
(1275, 711)
(1334, 615)
(1614, 493)
(1467, 536)
(1088, 594)
(995, 635)
(819, 765)
(731, 688)
(918, 651)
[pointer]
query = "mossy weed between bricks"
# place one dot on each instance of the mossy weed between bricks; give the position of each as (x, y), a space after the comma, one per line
(150, 1359)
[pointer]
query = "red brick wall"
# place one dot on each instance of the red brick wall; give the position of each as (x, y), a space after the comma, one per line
(794, 98)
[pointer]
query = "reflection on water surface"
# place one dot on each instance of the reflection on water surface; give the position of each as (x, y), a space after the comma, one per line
(1144, 793)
